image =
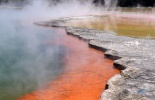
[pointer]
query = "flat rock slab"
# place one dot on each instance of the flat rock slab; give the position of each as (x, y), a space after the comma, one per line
(135, 57)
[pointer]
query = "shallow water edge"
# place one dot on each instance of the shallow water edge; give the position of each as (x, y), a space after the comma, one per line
(85, 69)
(135, 57)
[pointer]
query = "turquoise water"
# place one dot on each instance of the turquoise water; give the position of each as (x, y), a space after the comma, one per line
(27, 60)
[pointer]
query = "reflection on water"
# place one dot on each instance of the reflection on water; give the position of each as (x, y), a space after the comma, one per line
(27, 62)
(127, 24)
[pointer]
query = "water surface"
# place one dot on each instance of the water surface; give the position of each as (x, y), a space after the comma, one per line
(132, 22)
(86, 72)
(34, 58)
(27, 61)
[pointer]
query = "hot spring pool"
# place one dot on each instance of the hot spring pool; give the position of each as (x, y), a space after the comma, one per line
(36, 58)
(27, 61)
(31, 56)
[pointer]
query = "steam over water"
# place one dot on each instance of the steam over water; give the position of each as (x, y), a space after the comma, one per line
(27, 62)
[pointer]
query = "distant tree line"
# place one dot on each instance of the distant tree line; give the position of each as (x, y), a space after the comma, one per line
(121, 3)
(129, 3)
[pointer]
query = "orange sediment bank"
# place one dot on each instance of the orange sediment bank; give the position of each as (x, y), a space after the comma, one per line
(85, 74)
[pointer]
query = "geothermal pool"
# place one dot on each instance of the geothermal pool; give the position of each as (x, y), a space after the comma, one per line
(85, 72)
(27, 60)
(46, 63)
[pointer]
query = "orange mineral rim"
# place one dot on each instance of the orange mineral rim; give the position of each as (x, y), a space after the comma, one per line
(85, 74)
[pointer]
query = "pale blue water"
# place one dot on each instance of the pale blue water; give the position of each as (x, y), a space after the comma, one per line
(27, 61)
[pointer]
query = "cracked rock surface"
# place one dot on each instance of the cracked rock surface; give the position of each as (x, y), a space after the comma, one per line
(135, 57)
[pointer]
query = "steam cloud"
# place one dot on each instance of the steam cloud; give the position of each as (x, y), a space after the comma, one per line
(26, 61)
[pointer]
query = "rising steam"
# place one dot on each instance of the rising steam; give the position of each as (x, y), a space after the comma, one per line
(26, 60)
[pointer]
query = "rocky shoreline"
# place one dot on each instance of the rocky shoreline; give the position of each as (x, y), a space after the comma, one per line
(134, 57)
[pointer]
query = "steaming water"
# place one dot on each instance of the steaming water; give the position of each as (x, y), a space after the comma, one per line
(27, 62)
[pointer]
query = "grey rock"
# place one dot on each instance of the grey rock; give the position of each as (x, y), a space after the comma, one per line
(112, 54)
